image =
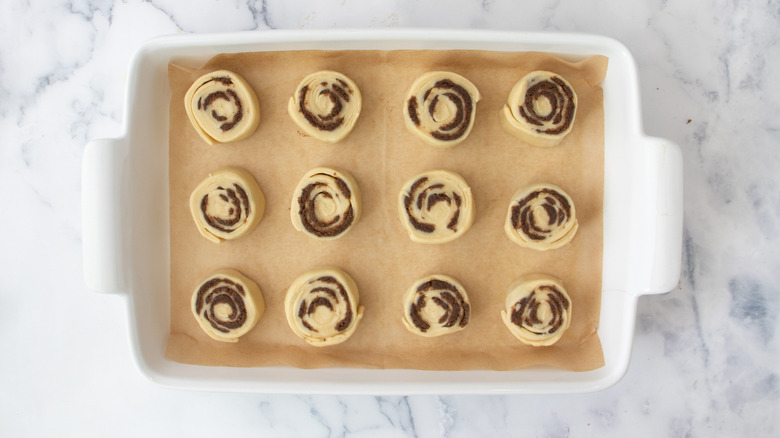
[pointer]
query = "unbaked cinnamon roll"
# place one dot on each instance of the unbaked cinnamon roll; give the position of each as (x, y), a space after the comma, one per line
(537, 309)
(436, 305)
(440, 108)
(326, 106)
(540, 109)
(542, 217)
(227, 204)
(322, 306)
(436, 206)
(326, 203)
(227, 305)
(222, 107)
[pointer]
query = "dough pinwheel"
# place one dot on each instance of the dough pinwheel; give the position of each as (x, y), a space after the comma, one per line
(326, 203)
(537, 309)
(436, 206)
(440, 108)
(540, 109)
(323, 306)
(436, 305)
(326, 105)
(227, 305)
(227, 204)
(542, 217)
(222, 107)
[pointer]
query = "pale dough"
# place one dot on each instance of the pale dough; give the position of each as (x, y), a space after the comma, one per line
(436, 305)
(537, 309)
(326, 105)
(540, 109)
(436, 206)
(227, 204)
(222, 107)
(326, 203)
(440, 108)
(542, 217)
(323, 306)
(227, 305)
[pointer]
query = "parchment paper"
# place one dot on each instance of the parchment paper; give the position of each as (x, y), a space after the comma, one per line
(384, 262)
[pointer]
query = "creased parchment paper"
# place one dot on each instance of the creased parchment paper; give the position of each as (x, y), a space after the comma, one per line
(384, 262)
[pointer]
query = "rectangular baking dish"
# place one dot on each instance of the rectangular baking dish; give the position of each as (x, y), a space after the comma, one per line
(126, 225)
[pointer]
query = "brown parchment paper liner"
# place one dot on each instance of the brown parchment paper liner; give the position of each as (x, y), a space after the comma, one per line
(382, 155)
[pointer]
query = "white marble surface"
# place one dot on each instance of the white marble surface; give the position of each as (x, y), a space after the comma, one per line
(705, 360)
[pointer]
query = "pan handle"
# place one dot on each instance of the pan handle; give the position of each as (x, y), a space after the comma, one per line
(101, 209)
(658, 178)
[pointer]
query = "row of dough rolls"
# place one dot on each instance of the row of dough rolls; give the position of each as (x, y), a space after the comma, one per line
(440, 107)
(322, 307)
(229, 203)
(436, 206)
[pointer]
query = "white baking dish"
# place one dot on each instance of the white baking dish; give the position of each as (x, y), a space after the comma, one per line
(126, 226)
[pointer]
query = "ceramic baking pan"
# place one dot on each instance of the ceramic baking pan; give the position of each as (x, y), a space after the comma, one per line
(126, 226)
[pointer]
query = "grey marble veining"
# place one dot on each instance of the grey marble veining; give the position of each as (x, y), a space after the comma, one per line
(706, 357)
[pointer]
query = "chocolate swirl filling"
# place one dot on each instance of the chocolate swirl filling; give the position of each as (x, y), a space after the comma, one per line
(446, 296)
(555, 205)
(444, 92)
(322, 306)
(228, 119)
(219, 293)
(227, 218)
(558, 102)
(222, 107)
(436, 207)
(325, 292)
(319, 191)
(227, 204)
(422, 198)
(337, 92)
(525, 313)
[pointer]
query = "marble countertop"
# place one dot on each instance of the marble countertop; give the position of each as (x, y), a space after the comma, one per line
(705, 357)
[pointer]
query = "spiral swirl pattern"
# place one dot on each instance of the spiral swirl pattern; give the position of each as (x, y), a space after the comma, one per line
(227, 305)
(326, 106)
(542, 217)
(222, 107)
(436, 305)
(440, 108)
(322, 306)
(540, 109)
(537, 309)
(436, 206)
(326, 203)
(227, 204)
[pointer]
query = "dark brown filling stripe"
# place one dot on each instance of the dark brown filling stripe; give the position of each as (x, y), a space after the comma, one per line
(555, 205)
(412, 107)
(338, 92)
(228, 95)
(454, 93)
(239, 210)
(445, 295)
(422, 197)
(561, 99)
(221, 291)
(307, 211)
(525, 311)
(328, 292)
